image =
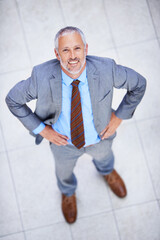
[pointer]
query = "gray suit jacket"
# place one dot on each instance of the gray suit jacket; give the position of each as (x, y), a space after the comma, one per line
(45, 85)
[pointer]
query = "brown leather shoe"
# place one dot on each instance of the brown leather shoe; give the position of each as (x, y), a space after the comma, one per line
(116, 184)
(69, 208)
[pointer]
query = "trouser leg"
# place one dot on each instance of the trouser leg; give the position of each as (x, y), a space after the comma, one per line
(103, 157)
(65, 161)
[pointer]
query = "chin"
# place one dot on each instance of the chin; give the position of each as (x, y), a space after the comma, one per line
(74, 72)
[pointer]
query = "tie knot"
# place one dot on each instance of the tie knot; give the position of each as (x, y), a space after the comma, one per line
(75, 83)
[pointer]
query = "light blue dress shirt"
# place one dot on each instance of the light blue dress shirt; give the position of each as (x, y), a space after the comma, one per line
(62, 125)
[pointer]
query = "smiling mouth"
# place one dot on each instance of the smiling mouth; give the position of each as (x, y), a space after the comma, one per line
(73, 62)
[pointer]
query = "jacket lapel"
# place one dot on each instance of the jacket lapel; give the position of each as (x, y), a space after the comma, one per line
(93, 82)
(56, 88)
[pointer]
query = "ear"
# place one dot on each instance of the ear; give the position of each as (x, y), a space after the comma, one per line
(86, 49)
(57, 54)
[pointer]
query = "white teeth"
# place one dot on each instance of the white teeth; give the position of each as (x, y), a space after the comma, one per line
(73, 62)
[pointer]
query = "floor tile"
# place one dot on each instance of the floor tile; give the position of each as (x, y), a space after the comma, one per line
(118, 94)
(130, 22)
(9, 217)
(139, 222)
(124, 31)
(109, 53)
(93, 23)
(2, 146)
(37, 191)
(145, 59)
(96, 227)
(131, 165)
(18, 236)
(150, 135)
(12, 45)
(57, 232)
(92, 194)
(45, 17)
(15, 135)
(9, 79)
(154, 6)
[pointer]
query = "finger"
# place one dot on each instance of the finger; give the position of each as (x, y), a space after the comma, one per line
(61, 141)
(103, 132)
(106, 128)
(107, 134)
(64, 137)
(60, 135)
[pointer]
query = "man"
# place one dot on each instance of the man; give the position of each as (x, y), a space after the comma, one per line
(73, 110)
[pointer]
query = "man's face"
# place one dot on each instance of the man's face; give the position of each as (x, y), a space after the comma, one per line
(72, 53)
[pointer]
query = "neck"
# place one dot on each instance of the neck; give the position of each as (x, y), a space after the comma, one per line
(74, 76)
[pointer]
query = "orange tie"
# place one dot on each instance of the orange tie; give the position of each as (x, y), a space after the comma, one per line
(77, 128)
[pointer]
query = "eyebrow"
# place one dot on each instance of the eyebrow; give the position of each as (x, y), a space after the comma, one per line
(73, 47)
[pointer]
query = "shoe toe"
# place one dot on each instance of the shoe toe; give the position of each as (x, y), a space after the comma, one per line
(116, 184)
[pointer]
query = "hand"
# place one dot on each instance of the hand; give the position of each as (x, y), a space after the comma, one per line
(51, 135)
(111, 127)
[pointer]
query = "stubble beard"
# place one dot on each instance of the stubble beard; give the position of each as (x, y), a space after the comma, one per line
(68, 70)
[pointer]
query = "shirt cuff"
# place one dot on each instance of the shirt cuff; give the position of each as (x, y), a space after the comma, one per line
(39, 128)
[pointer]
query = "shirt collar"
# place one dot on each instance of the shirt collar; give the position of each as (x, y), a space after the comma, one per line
(68, 80)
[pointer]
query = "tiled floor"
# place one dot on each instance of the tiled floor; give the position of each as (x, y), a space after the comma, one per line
(129, 32)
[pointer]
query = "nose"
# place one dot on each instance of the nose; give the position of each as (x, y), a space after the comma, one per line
(72, 54)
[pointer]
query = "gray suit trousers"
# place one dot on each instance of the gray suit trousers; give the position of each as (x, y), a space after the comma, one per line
(67, 156)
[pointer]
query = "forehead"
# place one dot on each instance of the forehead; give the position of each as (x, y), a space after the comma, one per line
(70, 40)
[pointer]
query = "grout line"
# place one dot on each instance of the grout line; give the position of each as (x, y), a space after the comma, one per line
(158, 202)
(110, 30)
(10, 234)
(59, 222)
(114, 215)
(2, 152)
(61, 8)
(146, 119)
(100, 52)
(23, 31)
(70, 229)
(81, 218)
(95, 214)
(145, 156)
(155, 30)
(14, 185)
(44, 226)
(136, 43)
(46, 143)
(25, 147)
(135, 205)
(15, 149)
(158, 41)
(15, 71)
(116, 47)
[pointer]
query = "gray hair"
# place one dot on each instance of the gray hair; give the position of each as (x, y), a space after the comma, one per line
(68, 30)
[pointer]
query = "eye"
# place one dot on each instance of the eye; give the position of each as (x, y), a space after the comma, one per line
(77, 48)
(65, 50)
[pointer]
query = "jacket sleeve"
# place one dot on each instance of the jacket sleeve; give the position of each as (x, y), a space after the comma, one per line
(18, 96)
(134, 83)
